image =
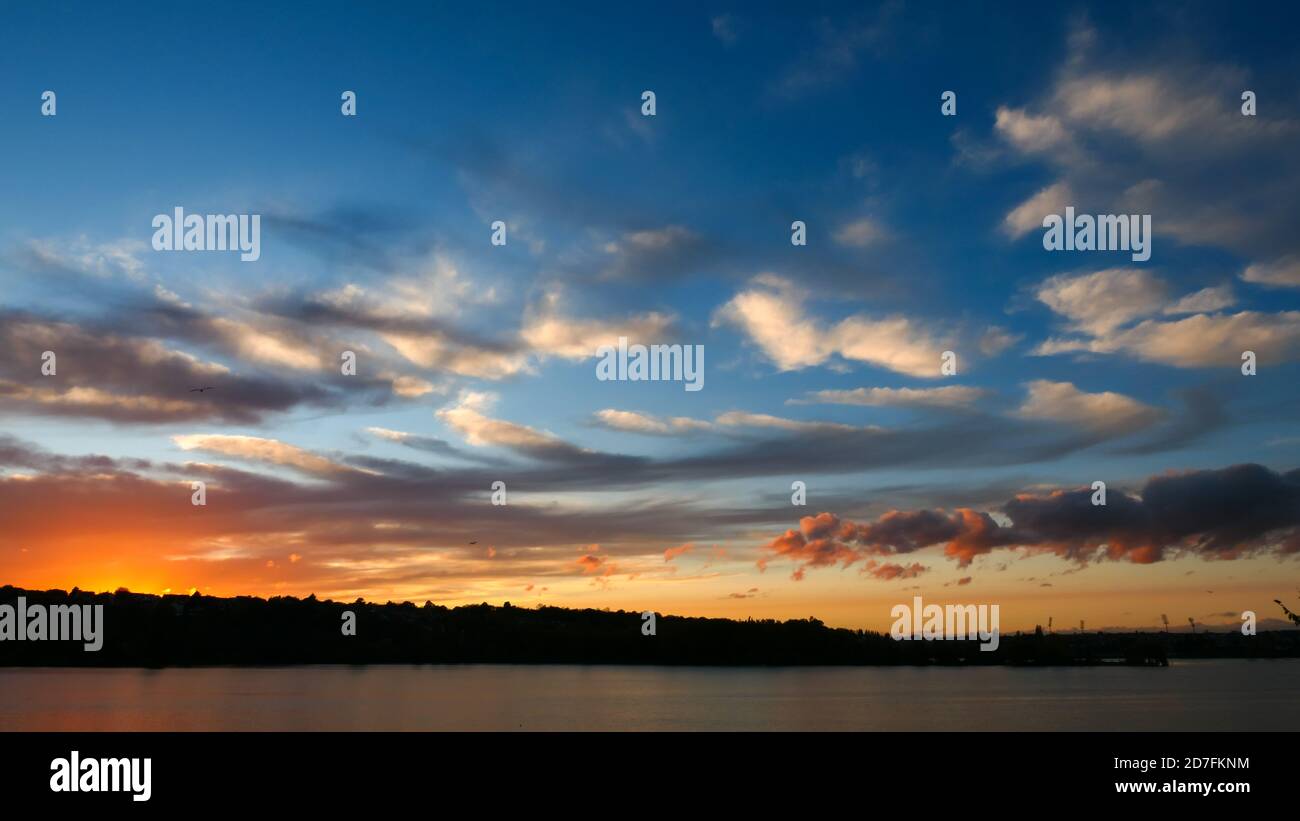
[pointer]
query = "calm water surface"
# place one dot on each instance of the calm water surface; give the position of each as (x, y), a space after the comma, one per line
(1189, 695)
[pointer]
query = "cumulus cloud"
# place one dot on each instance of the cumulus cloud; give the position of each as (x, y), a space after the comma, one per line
(412, 386)
(1107, 120)
(1216, 514)
(1105, 307)
(548, 332)
(1101, 301)
(1029, 133)
(1153, 106)
(1107, 411)
(1280, 273)
(771, 314)
(1203, 340)
(591, 564)
(1028, 215)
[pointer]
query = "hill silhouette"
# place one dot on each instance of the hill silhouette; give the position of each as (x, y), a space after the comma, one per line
(175, 630)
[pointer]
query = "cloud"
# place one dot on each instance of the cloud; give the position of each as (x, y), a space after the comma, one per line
(592, 564)
(771, 314)
(763, 420)
(948, 396)
(633, 422)
(1107, 412)
(673, 552)
(1203, 340)
(263, 355)
(466, 417)
(1126, 133)
(548, 332)
(128, 379)
(888, 571)
(1203, 412)
(93, 402)
(438, 288)
(436, 351)
(430, 444)
(1100, 306)
(1029, 133)
(104, 260)
(411, 315)
(1280, 273)
(257, 449)
(1204, 301)
(995, 340)
(1099, 302)
(266, 347)
(409, 387)
(860, 233)
(1152, 106)
(387, 527)
(1217, 514)
(655, 254)
(1028, 215)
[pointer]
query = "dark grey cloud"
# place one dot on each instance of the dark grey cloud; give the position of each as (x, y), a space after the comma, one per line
(1204, 411)
(1218, 514)
(108, 370)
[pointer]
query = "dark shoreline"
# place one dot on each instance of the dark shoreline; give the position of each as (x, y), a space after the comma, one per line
(148, 631)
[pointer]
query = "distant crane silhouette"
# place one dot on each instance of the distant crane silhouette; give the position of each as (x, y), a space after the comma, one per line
(1192, 622)
(1165, 619)
(1049, 624)
(1080, 625)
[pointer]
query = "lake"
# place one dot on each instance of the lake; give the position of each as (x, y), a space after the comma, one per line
(1187, 695)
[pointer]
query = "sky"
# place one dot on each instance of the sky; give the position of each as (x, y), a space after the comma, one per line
(476, 362)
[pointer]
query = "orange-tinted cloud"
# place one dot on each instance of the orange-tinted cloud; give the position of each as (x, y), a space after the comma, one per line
(673, 552)
(1221, 514)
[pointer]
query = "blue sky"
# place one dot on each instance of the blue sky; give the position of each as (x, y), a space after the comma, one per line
(922, 237)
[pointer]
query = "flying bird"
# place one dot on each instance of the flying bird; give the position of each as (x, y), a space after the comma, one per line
(473, 542)
(201, 390)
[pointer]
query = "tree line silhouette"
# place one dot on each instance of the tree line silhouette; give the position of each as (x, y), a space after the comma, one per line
(175, 630)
